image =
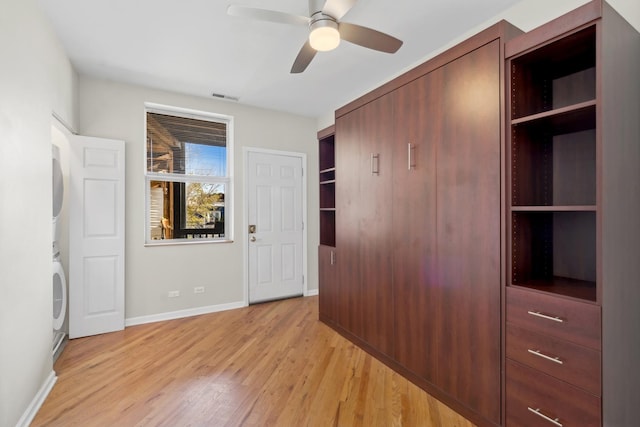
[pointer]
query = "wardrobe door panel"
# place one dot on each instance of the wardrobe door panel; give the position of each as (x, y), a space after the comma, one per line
(329, 295)
(376, 219)
(468, 231)
(414, 215)
(348, 196)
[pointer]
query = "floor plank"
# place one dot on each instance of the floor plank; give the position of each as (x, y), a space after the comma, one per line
(270, 364)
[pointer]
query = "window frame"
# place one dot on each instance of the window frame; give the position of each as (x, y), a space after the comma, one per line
(227, 180)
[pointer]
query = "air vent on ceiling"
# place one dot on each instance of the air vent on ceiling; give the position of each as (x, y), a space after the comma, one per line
(223, 96)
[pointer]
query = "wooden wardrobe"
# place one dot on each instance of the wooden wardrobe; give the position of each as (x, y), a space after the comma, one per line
(481, 231)
(416, 269)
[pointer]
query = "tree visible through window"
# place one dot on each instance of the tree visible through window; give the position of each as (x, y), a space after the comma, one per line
(187, 176)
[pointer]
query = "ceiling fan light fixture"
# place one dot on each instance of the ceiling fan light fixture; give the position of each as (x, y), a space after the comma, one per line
(324, 35)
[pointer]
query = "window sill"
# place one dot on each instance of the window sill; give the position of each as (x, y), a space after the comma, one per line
(180, 242)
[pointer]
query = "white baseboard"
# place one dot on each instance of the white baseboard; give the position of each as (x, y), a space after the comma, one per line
(38, 400)
(141, 320)
(182, 313)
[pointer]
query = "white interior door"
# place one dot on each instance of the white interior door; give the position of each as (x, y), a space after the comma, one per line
(96, 241)
(275, 208)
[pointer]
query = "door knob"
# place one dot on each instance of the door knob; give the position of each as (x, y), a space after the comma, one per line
(253, 238)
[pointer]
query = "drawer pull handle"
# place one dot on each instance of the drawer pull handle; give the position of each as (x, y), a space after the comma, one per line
(544, 316)
(544, 356)
(555, 421)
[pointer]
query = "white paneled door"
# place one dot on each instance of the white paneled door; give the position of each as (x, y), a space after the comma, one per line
(275, 215)
(96, 236)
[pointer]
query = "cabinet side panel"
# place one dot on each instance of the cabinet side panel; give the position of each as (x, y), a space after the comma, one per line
(620, 196)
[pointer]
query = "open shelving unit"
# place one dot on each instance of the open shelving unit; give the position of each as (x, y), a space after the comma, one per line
(327, 165)
(553, 167)
(573, 229)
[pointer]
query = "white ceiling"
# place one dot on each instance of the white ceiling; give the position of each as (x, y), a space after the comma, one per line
(194, 47)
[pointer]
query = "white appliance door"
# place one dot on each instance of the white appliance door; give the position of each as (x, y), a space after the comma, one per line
(96, 241)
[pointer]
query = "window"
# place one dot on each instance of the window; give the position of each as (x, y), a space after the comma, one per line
(188, 179)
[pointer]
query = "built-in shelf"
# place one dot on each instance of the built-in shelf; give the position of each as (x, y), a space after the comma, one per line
(326, 152)
(552, 208)
(572, 221)
(553, 167)
(579, 289)
(554, 76)
(572, 118)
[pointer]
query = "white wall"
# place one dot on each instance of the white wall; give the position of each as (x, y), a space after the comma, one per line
(36, 79)
(114, 110)
(526, 15)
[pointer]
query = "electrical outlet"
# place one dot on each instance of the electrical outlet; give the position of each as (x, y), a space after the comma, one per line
(198, 290)
(173, 294)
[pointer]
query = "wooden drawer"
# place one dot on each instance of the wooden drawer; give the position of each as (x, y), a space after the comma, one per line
(529, 390)
(562, 318)
(580, 366)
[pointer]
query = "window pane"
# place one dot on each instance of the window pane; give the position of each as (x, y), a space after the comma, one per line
(191, 210)
(188, 146)
(204, 205)
(205, 160)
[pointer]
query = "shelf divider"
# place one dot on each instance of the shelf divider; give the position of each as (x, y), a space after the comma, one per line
(568, 208)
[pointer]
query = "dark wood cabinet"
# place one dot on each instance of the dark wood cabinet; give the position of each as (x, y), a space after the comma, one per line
(537, 399)
(329, 292)
(418, 224)
(573, 235)
(492, 256)
(562, 359)
(327, 276)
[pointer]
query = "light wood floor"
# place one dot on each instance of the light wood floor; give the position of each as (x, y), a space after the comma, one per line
(271, 364)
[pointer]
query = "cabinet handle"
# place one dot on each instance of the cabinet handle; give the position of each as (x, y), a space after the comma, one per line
(375, 164)
(544, 356)
(410, 163)
(544, 316)
(555, 421)
(333, 258)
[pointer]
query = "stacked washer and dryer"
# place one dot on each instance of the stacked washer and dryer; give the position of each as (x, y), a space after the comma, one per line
(59, 279)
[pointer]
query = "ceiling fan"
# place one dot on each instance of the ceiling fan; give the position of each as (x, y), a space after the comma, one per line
(325, 29)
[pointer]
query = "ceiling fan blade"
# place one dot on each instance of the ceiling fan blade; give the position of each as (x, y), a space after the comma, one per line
(367, 37)
(338, 8)
(303, 59)
(266, 15)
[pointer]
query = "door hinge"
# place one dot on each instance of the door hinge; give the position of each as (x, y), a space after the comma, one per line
(303, 279)
(303, 225)
(302, 170)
